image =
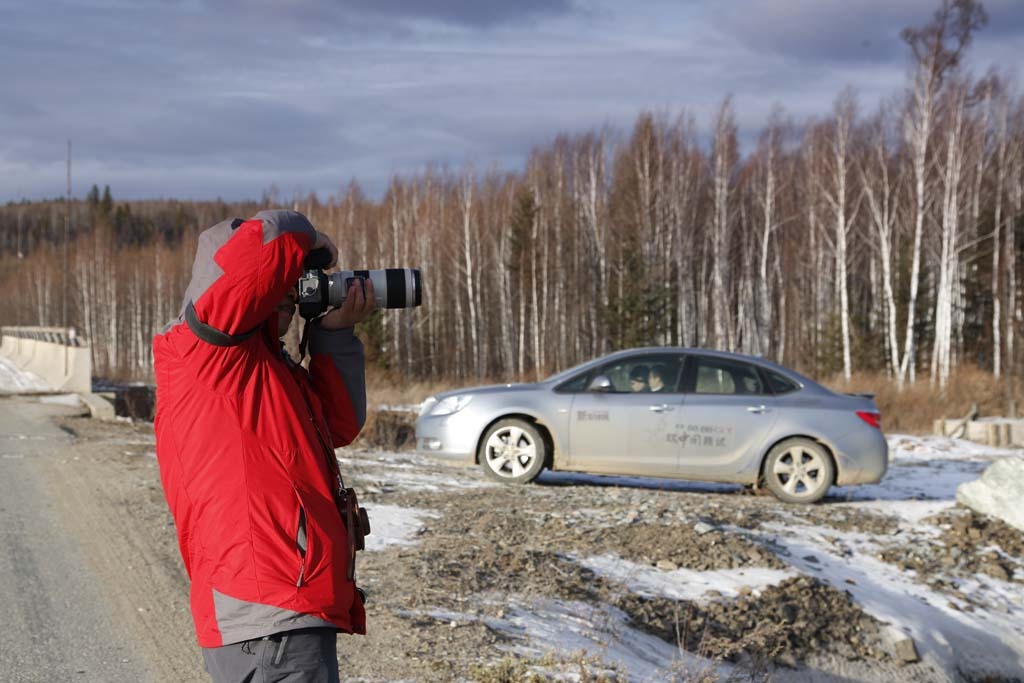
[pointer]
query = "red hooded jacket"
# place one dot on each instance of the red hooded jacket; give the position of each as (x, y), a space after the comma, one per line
(245, 441)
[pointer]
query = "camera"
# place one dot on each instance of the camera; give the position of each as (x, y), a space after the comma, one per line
(318, 291)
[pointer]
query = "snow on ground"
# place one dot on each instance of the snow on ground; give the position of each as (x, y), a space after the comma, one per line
(572, 629)
(984, 635)
(14, 380)
(925, 468)
(683, 584)
(385, 471)
(400, 407)
(62, 400)
(393, 525)
(990, 641)
(923, 476)
(904, 448)
(601, 632)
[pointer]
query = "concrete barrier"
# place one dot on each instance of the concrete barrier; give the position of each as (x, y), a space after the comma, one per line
(57, 355)
(993, 431)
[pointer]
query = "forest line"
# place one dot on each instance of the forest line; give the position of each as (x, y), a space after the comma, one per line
(860, 240)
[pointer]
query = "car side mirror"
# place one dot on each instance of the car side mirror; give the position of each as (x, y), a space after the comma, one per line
(600, 383)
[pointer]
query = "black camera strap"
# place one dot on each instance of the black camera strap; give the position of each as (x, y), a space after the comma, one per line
(304, 339)
(211, 335)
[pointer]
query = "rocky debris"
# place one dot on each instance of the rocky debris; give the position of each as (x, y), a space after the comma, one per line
(503, 543)
(683, 547)
(573, 525)
(998, 492)
(970, 544)
(901, 647)
(783, 624)
(702, 528)
(845, 519)
(487, 545)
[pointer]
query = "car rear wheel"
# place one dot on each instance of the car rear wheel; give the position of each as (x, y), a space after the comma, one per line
(513, 451)
(799, 471)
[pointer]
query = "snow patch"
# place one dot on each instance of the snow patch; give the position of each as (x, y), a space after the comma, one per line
(394, 525)
(684, 584)
(388, 471)
(928, 468)
(62, 400)
(601, 633)
(946, 634)
(400, 407)
(998, 492)
(13, 379)
(907, 448)
(910, 512)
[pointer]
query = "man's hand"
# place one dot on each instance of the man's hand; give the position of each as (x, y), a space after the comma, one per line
(324, 242)
(355, 309)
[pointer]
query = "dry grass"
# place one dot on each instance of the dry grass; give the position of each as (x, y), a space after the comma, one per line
(391, 389)
(915, 409)
(391, 430)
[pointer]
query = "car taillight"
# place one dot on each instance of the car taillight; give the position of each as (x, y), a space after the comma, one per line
(873, 419)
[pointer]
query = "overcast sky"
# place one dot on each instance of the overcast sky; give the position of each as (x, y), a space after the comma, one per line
(206, 98)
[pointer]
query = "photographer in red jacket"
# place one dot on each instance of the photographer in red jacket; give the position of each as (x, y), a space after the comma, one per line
(245, 442)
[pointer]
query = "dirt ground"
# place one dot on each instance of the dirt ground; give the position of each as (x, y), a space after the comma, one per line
(446, 600)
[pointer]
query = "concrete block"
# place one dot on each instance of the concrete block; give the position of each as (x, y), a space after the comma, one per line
(1017, 433)
(977, 431)
(62, 366)
(100, 407)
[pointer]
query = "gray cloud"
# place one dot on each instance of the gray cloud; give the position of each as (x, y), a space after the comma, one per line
(386, 16)
(841, 31)
(200, 98)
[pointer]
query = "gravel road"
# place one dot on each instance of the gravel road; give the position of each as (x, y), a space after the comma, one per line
(87, 593)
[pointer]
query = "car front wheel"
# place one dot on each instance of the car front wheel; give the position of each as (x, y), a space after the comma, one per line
(513, 451)
(799, 471)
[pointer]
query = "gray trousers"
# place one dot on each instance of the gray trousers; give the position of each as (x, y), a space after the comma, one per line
(304, 656)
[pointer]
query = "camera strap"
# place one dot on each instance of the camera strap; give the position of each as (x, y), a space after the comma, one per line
(304, 340)
(211, 335)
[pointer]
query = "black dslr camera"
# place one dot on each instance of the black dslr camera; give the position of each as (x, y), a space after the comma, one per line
(318, 291)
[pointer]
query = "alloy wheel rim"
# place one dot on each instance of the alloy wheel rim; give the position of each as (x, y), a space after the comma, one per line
(799, 472)
(510, 452)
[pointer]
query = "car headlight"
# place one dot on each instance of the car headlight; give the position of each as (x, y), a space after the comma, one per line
(427, 404)
(450, 405)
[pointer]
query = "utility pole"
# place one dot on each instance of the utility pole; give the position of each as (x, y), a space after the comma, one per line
(67, 234)
(21, 217)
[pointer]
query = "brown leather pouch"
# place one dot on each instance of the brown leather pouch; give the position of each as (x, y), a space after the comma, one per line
(357, 523)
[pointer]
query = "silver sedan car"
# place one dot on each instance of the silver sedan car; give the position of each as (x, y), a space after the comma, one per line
(665, 412)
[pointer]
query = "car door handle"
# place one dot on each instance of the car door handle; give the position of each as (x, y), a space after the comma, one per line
(758, 409)
(661, 408)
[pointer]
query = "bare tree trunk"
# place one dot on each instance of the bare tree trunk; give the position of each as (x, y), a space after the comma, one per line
(949, 258)
(466, 207)
(881, 200)
(917, 130)
(1000, 181)
(723, 160)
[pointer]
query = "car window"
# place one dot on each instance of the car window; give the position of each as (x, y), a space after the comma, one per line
(779, 384)
(710, 375)
(575, 385)
(644, 374)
